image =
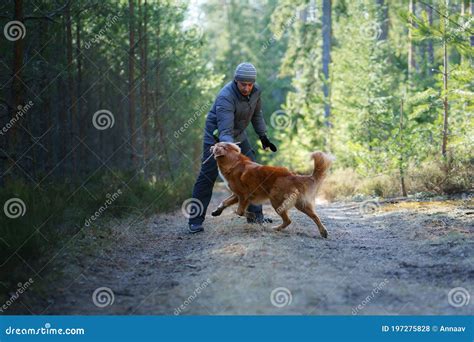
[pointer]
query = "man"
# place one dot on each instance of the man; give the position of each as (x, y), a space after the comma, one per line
(236, 105)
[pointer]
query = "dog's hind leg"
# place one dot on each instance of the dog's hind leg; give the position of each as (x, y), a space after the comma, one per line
(224, 204)
(307, 208)
(285, 218)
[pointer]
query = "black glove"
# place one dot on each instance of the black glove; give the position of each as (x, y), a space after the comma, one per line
(267, 143)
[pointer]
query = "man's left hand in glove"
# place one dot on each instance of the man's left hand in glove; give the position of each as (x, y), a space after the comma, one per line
(266, 143)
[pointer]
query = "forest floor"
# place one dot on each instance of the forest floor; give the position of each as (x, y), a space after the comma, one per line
(383, 258)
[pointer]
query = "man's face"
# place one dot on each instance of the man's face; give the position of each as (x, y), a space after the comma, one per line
(245, 88)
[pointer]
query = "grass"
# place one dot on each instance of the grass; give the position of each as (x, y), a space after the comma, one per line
(428, 178)
(56, 212)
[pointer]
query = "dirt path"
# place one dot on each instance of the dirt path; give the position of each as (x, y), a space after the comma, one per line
(399, 259)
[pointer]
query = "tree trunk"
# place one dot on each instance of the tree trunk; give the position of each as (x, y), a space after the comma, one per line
(82, 163)
(471, 11)
(445, 86)
(383, 18)
(327, 35)
(400, 165)
(70, 83)
(142, 32)
(46, 104)
(131, 78)
(17, 93)
(429, 42)
(411, 46)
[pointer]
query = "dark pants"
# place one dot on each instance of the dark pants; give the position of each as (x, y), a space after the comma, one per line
(207, 177)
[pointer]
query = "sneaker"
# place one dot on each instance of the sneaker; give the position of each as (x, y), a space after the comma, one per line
(195, 228)
(258, 218)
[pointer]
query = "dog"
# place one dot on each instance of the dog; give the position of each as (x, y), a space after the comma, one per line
(253, 183)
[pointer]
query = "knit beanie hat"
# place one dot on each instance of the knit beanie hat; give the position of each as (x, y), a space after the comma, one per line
(245, 72)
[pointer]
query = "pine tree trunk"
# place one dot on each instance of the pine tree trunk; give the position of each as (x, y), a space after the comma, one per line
(445, 86)
(411, 46)
(70, 82)
(400, 165)
(80, 115)
(327, 35)
(429, 48)
(131, 78)
(143, 84)
(14, 141)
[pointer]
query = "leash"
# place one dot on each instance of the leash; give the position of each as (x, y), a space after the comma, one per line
(204, 162)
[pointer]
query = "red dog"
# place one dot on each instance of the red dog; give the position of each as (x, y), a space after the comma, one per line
(254, 183)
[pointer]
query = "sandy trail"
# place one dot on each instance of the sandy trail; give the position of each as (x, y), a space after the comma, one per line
(401, 258)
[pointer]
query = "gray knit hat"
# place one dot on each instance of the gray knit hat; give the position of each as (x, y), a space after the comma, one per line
(245, 72)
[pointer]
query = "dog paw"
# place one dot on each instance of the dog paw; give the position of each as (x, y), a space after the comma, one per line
(217, 212)
(324, 234)
(240, 213)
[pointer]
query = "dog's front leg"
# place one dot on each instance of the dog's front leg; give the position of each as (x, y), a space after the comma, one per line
(224, 204)
(243, 204)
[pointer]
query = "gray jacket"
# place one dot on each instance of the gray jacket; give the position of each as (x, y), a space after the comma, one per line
(232, 112)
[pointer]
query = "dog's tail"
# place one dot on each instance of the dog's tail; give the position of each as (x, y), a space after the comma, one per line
(322, 162)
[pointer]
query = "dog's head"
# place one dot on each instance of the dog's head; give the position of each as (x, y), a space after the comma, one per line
(225, 149)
